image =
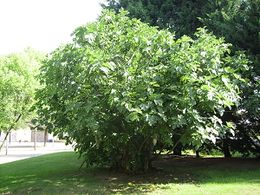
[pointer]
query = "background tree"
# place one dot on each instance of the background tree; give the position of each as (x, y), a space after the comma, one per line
(238, 22)
(180, 16)
(17, 87)
(122, 87)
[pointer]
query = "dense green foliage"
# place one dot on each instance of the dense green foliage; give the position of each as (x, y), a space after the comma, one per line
(17, 87)
(180, 16)
(237, 21)
(122, 88)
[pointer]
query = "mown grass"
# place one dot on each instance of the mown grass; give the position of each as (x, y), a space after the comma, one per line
(60, 174)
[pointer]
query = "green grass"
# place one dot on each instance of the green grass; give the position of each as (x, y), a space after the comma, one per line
(60, 174)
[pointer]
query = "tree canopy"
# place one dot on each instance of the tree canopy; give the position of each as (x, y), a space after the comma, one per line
(180, 16)
(17, 87)
(236, 20)
(122, 88)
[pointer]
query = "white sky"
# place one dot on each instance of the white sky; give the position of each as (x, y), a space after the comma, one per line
(42, 24)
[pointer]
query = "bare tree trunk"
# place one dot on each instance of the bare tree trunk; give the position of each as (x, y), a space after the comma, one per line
(226, 150)
(197, 154)
(35, 138)
(10, 137)
(7, 133)
(9, 130)
(176, 138)
(177, 150)
(45, 137)
(6, 148)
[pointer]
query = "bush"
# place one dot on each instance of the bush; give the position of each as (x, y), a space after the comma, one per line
(123, 87)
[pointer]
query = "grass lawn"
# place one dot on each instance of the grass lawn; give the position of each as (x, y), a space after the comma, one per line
(60, 174)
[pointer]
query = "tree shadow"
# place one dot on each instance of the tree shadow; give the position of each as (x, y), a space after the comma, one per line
(169, 171)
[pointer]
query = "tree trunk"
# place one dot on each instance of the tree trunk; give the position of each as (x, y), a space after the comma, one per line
(226, 150)
(5, 139)
(9, 130)
(197, 154)
(45, 136)
(35, 138)
(6, 148)
(147, 158)
(177, 150)
(125, 162)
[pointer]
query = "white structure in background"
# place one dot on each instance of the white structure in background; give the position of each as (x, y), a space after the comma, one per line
(21, 135)
(27, 135)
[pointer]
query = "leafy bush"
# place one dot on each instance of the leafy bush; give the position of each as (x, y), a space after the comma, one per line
(123, 87)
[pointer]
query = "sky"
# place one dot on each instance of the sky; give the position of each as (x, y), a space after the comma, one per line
(42, 24)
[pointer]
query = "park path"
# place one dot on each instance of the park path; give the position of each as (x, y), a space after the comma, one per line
(19, 151)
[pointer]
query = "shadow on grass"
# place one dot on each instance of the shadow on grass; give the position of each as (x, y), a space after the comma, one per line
(103, 181)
